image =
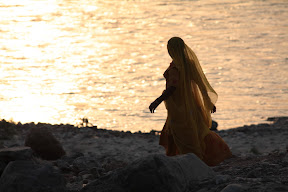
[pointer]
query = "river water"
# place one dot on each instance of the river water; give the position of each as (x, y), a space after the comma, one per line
(63, 60)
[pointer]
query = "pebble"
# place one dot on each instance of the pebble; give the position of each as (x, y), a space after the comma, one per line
(85, 181)
(63, 165)
(285, 159)
(275, 187)
(97, 171)
(254, 173)
(219, 179)
(234, 188)
(251, 180)
(87, 177)
(203, 190)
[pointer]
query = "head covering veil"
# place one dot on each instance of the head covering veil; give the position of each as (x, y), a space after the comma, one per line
(190, 107)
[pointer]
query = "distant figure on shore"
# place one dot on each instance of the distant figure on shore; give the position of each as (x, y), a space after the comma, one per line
(189, 100)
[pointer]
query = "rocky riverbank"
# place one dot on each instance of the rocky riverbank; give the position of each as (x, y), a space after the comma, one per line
(105, 160)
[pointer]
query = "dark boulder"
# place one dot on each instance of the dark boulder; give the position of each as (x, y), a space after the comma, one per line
(12, 154)
(27, 176)
(44, 144)
(155, 173)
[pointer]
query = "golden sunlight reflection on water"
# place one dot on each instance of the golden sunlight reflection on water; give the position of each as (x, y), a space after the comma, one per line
(64, 60)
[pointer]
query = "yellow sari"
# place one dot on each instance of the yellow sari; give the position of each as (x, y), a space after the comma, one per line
(187, 128)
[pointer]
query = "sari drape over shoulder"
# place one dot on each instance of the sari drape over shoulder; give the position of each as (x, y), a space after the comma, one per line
(188, 123)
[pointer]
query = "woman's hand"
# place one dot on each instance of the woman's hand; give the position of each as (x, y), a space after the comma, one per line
(153, 106)
(214, 109)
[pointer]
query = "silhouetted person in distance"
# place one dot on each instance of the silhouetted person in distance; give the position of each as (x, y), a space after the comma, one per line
(189, 100)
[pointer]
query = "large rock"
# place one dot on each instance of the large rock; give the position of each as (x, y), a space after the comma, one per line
(44, 144)
(12, 154)
(15, 153)
(155, 173)
(26, 176)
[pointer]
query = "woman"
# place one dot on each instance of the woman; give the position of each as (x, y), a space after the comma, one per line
(189, 100)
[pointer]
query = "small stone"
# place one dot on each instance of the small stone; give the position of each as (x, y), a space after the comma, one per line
(284, 169)
(254, 173)
(75, 186)
(44, 144)
(285, 159)
(276, 187)
(203, 190)
(76, 155)
(254, 150)
(234, 188)
(85, 181)
(63, 165)
(219, 179)
(97, 171)
(83, 173)
(88, 177)
(74, 178)
(266, 179)
(69, 159)
(84, 163)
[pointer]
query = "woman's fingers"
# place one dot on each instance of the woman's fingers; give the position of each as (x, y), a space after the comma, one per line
(152, 107)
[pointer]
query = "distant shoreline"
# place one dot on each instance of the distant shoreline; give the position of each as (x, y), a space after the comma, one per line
(264, 136)
(90, 125)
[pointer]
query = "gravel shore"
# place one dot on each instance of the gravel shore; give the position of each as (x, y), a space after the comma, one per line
(259, 163)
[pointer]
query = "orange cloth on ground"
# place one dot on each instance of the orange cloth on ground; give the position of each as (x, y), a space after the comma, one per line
(189, 132)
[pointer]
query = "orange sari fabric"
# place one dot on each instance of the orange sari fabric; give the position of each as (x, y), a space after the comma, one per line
(216, 148)
(183, 133)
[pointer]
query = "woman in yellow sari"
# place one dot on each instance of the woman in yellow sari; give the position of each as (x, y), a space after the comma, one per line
(189, 100)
